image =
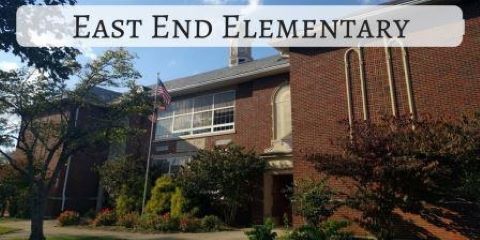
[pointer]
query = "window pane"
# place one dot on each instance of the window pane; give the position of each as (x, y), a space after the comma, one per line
(202, 119)
(184, 106)
(223, 128)
(203, 103)
(164, 127)
(182, 122)
(204, 130)
(223, 116)
(225, 99)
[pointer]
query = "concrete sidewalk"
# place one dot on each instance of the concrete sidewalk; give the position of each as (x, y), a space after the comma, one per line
(51, 229)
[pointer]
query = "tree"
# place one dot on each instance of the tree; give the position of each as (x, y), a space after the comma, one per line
(48, 135)
(50, 60)
(314, 201)
(398, 163)
(123, 177)
(225, 177)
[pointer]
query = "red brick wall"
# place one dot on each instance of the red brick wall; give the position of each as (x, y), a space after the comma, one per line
(445, 82)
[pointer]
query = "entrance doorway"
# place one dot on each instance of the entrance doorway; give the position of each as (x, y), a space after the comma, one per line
(281, 193)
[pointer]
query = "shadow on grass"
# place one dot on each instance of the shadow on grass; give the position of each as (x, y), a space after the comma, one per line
(7, 230)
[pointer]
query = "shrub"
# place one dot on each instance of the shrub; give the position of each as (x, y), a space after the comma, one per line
(262, 232)
(68, 218)
(177, 203)
(211, 223)
(90, 214)
(129, 220)
(314, 201)
(223, 178)
(106, 217)
(164, 223)
(149, 221)
(160, 199)
(168, 223)
(190, 224)
(124, 204)
(329, 230)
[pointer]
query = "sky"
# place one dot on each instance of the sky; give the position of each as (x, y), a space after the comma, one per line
(174, 63)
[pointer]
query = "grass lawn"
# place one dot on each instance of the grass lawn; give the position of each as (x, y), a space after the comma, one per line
(5, 230)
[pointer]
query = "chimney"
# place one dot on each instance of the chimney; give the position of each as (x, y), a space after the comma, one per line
(239, 55)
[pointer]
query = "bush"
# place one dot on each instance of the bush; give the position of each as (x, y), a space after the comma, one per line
(149, 221)
(211, 223)
(124, 204)
(262, 232)
(329, 230)
(106, 217)
(129, 220)
(168, 223)
(314, 201)
(177, 203)
(190, 224)
(160, 199)
(68, 218)
(164, 223)
(223, 179)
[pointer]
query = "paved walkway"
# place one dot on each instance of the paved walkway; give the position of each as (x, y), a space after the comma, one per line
(51, 229)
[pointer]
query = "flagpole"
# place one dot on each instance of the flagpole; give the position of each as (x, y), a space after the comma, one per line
(149, 157)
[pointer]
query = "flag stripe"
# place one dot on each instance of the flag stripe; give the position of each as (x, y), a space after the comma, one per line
(162, 91)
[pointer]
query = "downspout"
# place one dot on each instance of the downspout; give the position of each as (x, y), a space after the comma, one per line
(67, 172)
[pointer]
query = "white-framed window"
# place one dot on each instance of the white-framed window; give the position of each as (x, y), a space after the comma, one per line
(212, 113)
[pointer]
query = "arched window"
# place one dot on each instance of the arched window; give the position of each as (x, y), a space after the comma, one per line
(282, 115)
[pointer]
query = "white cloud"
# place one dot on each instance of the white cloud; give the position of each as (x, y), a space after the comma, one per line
(8, 66)
(88, 53)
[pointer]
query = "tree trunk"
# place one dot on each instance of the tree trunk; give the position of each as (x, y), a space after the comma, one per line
(37, 204)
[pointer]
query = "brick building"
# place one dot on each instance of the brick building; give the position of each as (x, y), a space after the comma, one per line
(287, 105)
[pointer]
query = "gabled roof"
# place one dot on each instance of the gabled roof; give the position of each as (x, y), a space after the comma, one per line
(228, 76)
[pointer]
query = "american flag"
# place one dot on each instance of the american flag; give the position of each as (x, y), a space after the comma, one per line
(162, 92)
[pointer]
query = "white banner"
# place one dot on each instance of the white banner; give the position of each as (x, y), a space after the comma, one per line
(221, 26)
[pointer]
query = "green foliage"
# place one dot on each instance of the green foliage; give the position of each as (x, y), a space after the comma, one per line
(124, 204)
(177, 203)
(399, 163)
(328, 230)
(262, 232)
(56, 136)
(314, 201)
(13, 193)
(164, 223)
(160, 199)
(222, 179)
(211, 223)
(129, 220)
(68, 218)
(51, 60)
(106, 217)
(190, 224)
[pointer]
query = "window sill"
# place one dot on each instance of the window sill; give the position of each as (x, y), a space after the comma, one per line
(203, 135)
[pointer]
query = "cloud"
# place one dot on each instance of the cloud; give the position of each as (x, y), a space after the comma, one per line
(88, 53)
(8, 66)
